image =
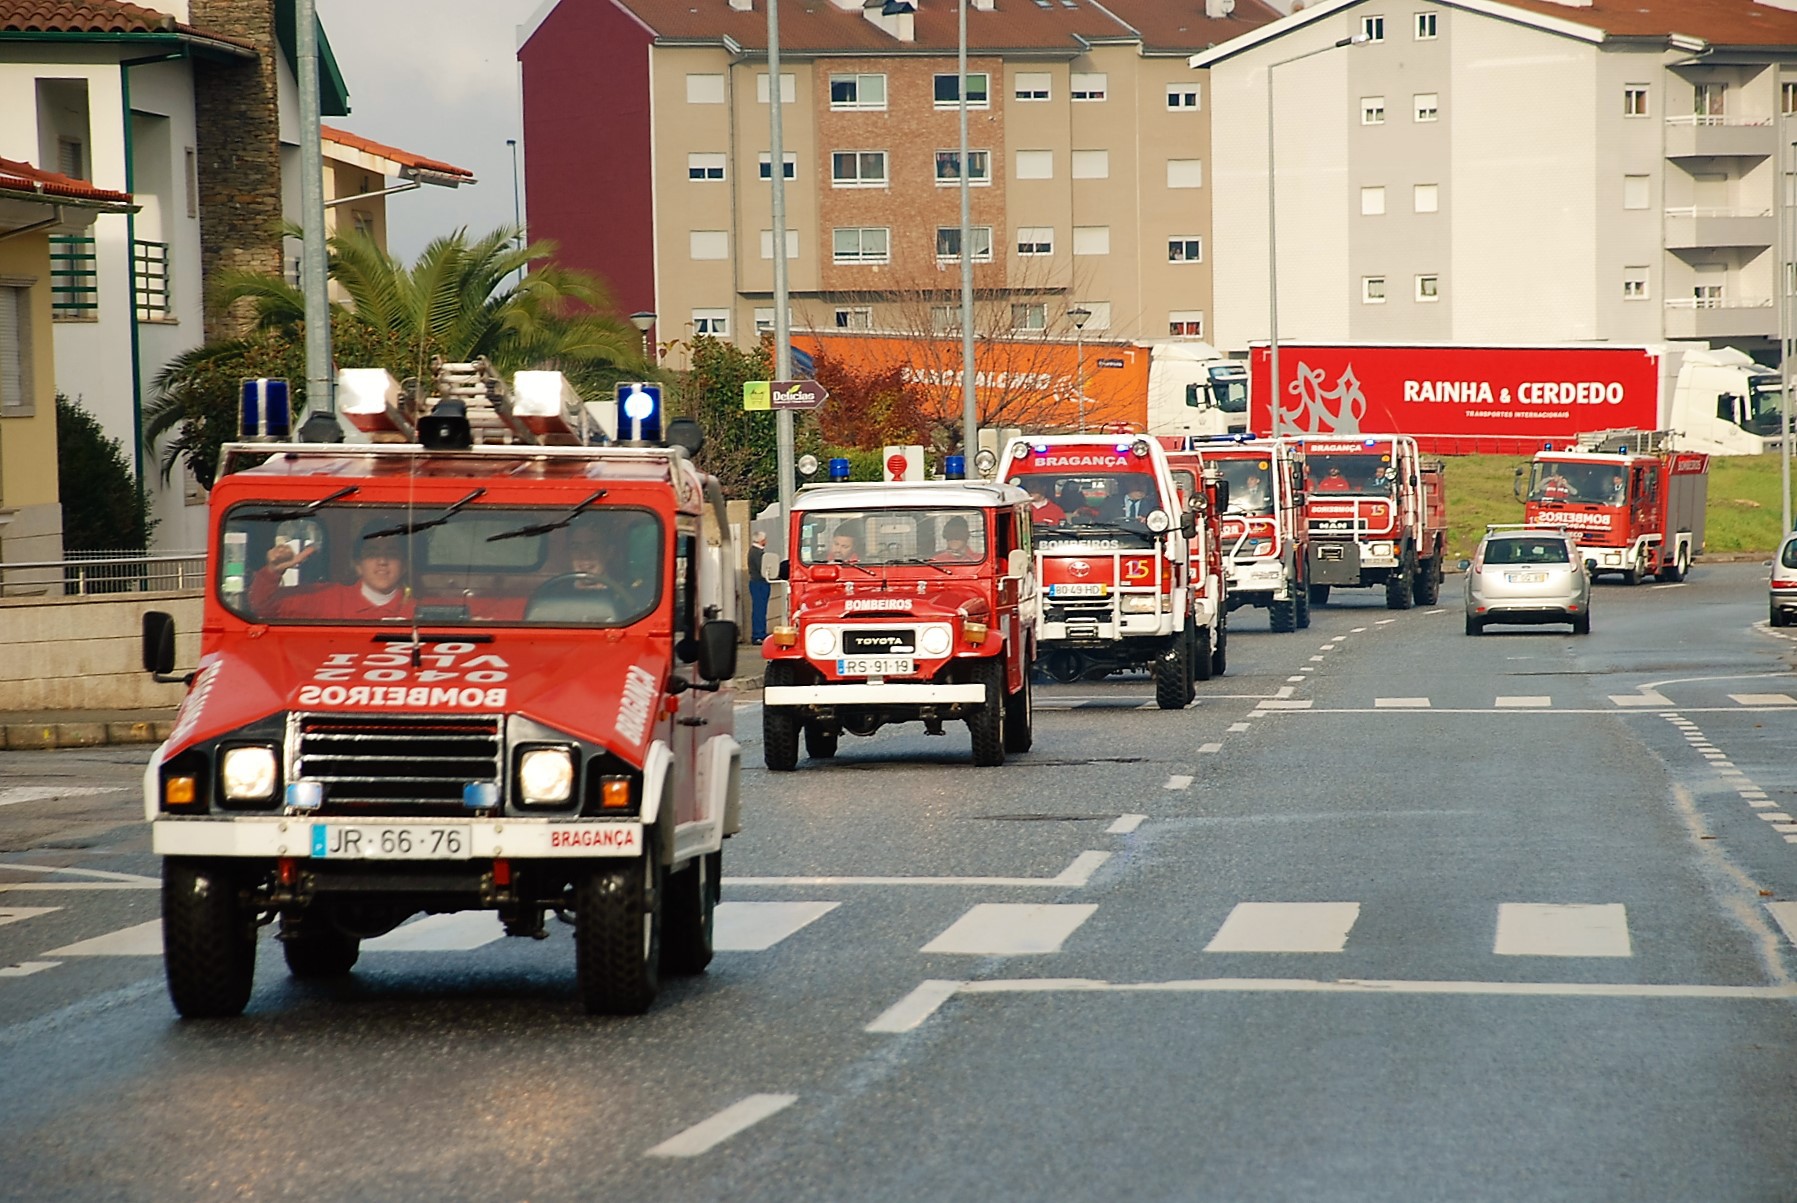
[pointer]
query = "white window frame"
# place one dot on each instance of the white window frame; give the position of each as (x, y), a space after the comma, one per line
(1372, 290)
(705, 167)
(1641, 283)
(1032, 157)
(845, 317)
(979, 167)
(1032, 87)
(884, 179)
(1098, 315)
(715, 322)
(1373, 28)
(1096, 240)
(1184, 98)
(1431, 191)
(1185, 173)
(1787, 97)
(984, 102)
(1185, 248)
(1637, 192)
(792, 244)
(694, 238)
(789, 87)
(1426, 28)
(1093, 164)
(955, 256)
(1372, 200)
(1023, 311)
(862, 255)
(1428, 288)
(1372, 110)
(1632, 92)
(1178, 318)
(764, 165)
(1088, 87)
(701, 85)
(1035, 241)
(859, 103)
(1425, 106)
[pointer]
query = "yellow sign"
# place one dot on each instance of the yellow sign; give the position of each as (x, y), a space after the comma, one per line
(758, 395)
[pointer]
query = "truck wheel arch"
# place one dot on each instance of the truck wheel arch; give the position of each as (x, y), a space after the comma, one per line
(656, 781)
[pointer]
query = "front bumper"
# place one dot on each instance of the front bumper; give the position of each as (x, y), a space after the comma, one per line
(271, 836)
(866, 693)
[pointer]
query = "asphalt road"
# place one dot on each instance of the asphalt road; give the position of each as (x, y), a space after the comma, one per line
(1390, 914)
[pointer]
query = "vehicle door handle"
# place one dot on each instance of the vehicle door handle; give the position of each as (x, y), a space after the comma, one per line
(692, 722)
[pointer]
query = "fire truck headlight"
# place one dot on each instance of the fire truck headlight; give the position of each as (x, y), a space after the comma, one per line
(1140, 603)
(1379, 549)
(248, 774)
(545, 776)
(1259, 547)
(934, 640)
(820, 643)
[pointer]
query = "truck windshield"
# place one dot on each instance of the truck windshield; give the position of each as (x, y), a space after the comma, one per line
(1351, 474)
(400, 564)
(1109, 499)
(878, 536)
(1229, 387)
(1250, 484)
(1558, 480)
(1765, 397)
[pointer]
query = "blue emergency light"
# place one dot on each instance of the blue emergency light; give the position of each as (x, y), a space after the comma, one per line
(954, 467)
(264, 410)
(839, 468)
(639, 412)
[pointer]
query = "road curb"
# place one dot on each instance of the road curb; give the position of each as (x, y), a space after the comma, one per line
(42, 736)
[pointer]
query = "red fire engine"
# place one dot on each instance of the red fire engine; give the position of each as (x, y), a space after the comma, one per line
(1377, 513)
(1203, 492)
(1112, 559)
(1636, 507)
(911, 602)
(438, 675)
(1265, 538)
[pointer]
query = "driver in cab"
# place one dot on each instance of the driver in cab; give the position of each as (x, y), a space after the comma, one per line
(845, 544)
(378, 592)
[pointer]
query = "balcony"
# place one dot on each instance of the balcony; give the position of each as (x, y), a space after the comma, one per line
(1718, 317)
(74, 278)
(1692, 136)
(1693, 228)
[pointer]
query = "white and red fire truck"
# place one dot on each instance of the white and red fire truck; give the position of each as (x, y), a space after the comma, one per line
(441, 674)
(1204, 493)
(1636, 507)
(1265, 538)
(1377, 513)
(910, 602)
(1112, 559)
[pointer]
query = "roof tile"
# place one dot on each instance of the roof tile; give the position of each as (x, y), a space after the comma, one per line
(403, 157)
(1719, 22)
(16, 176)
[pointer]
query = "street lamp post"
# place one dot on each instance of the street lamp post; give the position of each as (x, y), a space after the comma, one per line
(1273, 231)
(1078, 316)
(643, 320)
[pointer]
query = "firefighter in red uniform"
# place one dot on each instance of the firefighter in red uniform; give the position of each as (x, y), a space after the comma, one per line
(955, 549)
(1554, 488)
(1043, 512)
(1333, 482)
(378, 591)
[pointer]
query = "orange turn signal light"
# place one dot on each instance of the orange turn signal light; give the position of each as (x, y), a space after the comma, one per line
(614, 793)
(974, 632)
(784, 636)
(179, 791)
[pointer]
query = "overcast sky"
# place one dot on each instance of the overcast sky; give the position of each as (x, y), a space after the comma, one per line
(438, 78)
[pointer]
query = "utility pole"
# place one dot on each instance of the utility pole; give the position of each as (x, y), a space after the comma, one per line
(782, 319)
(321, 424)
(970, 415)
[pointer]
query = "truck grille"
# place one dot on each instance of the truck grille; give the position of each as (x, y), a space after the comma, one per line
(414, 763)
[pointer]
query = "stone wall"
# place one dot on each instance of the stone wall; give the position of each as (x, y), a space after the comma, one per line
(85, 653)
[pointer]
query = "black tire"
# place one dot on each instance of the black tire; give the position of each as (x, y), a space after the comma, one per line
(819, 743)
(692, 904)
(1303, 606)
(987, 724)
(208, 939)
(1319, 595)
(1399, 591)
(1475, 626)
(1172, 672)
(618, 933)
(1428, 581)
(318, 950)
(1777, 617)
(1020, 719)
(1219, 657)
(1282, 616)
(780, 724)
(1192, 662)
(1203, 662)
(1633, 574)
(1581, 624)
(1675, 571)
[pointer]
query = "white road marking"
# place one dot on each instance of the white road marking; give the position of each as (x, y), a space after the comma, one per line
(1210, 748)
(1434, 611)
(1670, 585)
(758, 926)
(1316, 659)
(1237, 728)
(1646, 697)
(1358, 630)
(1306, 669)
(1785, 915)
(910, 1011)
(27, 968)
(1385, 622)
(1785, 828)
(457, 932)
(1338, 639)
(1125, 824)
(12, 914)
(1777, 816)
(1757, 803)
(1533, 929)
(1294, 679)
(1535, 701)
(1401, 703)
(1285, 691)
(1010, 929)
(132, 879)
(1327, 647)
(12, 795)
(1763, 699)
(1286, 927)
(1286, 985)
(1178, 781)
(1149, 706)
(1753, 793)
(708, 1134)
(141, 940)
(1078, 873)
(1285, 705)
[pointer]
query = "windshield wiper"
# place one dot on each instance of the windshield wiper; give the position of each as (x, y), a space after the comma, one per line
(543, 528)
(925, 563)
(412, 528)
(305, 511)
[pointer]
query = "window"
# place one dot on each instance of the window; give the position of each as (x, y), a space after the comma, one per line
(864, 244)
(1373, 28)
(1031, 85)
(1091, 240)
(1182, 98)
(16, 394)
(791, 164)
(1634, 100)
(1091, 164)
(764, 320)
(1185, 173)
(71, 158)
(1035, 164)
(948, 167)
(1634, 283)
(1087, 85)
(1372, 201)
(948, 243)
(948, 91)
(1426, 198)
(1035, 240)
(1185, 249)
(1425, 27)
(715, 322)
(1372, 110)
(857, 91)
(1427, 105)
(1186, 323)
(1100, 311)
(792, 244)
(1031, 316)
(855, 317)
(945, 319)
(710, 244)
(190, 176)
(1788, 98)
(788, 88)
(1634, 192)
(705, 89)
(705, 166)
(1428, 289)
(1709, 100)
(1372, 290)
(858, 169)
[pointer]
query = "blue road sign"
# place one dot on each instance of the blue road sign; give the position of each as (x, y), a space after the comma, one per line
(639, 412)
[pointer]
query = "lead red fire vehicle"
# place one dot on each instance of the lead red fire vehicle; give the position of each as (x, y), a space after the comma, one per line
(1635, 506)
(1266, 540)
(910, 602)
(440, 676)
(1204, 493)
(1378, 516)
(1112, 557)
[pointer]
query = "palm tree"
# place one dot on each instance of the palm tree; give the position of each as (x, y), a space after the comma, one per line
(458, 300)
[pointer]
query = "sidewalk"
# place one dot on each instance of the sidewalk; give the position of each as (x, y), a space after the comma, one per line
(24, 730)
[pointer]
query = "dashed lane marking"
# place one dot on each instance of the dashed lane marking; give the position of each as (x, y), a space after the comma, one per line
(1525, 701)
(1785, 915)
(1210, 749)
(1401, 703)
(1286, 691)
(1075, 875)
(27, 968)
(1764, 699)
(1125, 824)
(12, 914)
(12, 795)
(1358, 630)
(1384, 622)
(1275, 704)
(909, 1012)
(758, 926)
(1314, 659)
(708, 1134)
(1294, 679)
(1010, 929)
(1178, 781)
(1534, 929)
(1286, 927)
(1776, 816)
(1237, 728)
(1647, 697)
(142, 940)
(1434, 611)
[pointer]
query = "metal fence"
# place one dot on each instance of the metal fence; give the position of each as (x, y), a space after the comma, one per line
(102, 572)
(74, 278)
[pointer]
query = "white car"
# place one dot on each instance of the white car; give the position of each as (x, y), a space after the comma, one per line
(1783, 585)
(1523, 574)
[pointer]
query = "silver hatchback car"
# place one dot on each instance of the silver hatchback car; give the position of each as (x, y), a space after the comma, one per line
(1527, 574)
(1783, 585)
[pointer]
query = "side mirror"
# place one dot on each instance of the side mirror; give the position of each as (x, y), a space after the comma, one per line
(686, 433)
(1465, 564)
(1222, 487)
(717, 649)
(1017, 564)
(1188, 524)
(1516, 481)
(1590, 565)
(159, 643)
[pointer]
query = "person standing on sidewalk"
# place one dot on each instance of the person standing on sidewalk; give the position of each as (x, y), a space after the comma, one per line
(759, 588)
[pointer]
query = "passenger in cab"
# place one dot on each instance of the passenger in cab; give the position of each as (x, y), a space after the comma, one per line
(1043, 512)
(1333, 481)
(955, 549)
(377, 593)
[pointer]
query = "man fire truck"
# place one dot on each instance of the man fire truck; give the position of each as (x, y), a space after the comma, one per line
(1114, 568)
(482, 667)
(1204, 493)
(1265, 537)
(910, 602)
(1635, 506)
(1377, 513)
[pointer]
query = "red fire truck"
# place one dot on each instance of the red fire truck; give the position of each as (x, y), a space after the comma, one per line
(1377, 513)
(1112, 559)
(1265, 538)
(1203, 492)
(441, 675)
(1636, 507)
(911, 602)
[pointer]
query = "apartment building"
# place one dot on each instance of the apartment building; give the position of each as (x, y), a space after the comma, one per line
(647, 124)
(1523, 170)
